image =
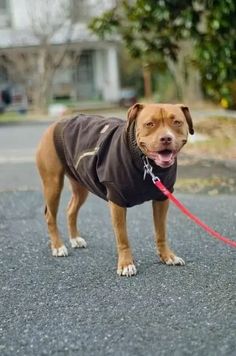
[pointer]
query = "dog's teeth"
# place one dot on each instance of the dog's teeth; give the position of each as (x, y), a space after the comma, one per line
(78, 242)
(60, 252)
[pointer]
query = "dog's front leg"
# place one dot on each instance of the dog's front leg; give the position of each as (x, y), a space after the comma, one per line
(126, 265)
(160, 209)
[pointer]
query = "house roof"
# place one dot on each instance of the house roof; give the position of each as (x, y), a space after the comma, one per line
(21, 38)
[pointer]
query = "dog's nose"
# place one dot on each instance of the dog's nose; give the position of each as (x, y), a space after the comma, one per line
(166, 139)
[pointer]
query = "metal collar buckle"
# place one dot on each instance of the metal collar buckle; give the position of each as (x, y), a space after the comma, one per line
(148, 169)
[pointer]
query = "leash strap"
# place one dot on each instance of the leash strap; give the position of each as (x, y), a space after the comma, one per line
(182, 208)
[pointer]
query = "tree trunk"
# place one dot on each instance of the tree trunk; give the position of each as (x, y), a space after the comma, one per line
(43, 96)
(187, 77)
(147, 79)
(43, 82)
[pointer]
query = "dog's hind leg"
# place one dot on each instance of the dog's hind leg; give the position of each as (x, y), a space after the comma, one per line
(52, 192)
(79, 195)
(52, 175)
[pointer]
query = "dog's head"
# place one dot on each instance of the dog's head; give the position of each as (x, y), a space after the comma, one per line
(161, 130)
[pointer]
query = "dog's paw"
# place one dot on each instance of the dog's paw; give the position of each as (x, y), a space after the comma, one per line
(127, 271)
(173, 261)
(78, 242)
(60, 252)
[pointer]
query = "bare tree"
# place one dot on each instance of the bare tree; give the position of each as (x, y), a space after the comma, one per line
(51, 27)
(51, 23)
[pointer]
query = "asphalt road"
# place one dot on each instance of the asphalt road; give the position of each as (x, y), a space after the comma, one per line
(17, 156)
(78, 306)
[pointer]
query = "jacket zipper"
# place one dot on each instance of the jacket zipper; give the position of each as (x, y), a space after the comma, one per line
(86, 154)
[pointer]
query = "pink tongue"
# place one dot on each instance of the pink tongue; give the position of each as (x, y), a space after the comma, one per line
(165, 157)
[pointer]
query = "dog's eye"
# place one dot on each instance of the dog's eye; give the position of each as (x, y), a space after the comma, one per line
(149, 124)
(177, 123)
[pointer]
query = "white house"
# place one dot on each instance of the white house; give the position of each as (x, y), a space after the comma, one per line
(94, 75)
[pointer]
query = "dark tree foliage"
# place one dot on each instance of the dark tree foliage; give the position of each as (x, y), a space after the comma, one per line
(152, 30)
(216, 47)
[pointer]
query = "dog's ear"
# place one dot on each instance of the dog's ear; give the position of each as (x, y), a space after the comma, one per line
(133, 113)
(188, 117)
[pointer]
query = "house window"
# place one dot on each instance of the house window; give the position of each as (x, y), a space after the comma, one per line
(4, 13)
(84, 76)
(85, 72)
(3, 74)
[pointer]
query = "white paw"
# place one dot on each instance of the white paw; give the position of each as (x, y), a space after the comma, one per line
(78, 242)
(127, 271)
(60, 252)
(175, 260)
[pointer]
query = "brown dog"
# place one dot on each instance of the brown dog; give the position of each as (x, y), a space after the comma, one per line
(105, 156)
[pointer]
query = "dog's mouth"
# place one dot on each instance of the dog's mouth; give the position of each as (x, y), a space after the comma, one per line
(164, 158)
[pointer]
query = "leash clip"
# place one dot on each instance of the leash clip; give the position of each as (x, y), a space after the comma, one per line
(148, 170)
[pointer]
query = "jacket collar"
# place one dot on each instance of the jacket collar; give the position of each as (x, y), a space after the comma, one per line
(136, 154)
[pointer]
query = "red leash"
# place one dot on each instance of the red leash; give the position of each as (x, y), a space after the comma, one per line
(166, 192)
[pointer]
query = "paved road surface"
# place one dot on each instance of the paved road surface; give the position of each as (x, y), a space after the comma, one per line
(78, 306)
(17, 155)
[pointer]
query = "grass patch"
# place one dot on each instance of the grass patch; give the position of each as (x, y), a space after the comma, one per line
(220, 138)
(11, 117)
(211, 186)
(14, 117)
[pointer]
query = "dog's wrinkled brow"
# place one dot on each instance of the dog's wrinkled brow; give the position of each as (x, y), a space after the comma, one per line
(171, 116)
(163, 114)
